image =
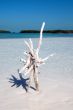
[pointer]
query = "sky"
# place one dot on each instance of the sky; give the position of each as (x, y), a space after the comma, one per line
(16, 15)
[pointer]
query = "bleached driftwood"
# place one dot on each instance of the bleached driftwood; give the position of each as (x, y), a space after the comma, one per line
(33, 60)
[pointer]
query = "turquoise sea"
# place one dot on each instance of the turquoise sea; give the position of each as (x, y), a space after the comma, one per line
(31, 35)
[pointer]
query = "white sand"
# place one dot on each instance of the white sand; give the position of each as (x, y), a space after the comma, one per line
(56, 77)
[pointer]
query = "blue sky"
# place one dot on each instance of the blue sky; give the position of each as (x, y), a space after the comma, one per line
(29, 14)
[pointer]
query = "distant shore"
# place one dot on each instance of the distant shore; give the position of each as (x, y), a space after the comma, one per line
(5, 31)
(38, 31)
(47, 31)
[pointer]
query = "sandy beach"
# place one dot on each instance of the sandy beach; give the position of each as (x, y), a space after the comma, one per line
(56, 76)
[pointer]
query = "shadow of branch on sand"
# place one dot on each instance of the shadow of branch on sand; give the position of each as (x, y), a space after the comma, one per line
(20, 82)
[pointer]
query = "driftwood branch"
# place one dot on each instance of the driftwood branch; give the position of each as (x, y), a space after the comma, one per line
(33, 60)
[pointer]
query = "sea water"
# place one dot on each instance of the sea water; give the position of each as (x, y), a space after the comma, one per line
(31, 35)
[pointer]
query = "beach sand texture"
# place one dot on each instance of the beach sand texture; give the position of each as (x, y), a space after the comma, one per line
(56, 76)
